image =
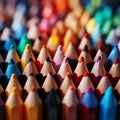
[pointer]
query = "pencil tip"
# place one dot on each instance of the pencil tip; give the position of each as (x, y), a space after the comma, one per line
(31, 74)
(27, 47)
(71, 88)
(105, 74)
(109, 89)
(33, 89)
(12, 47)
(86, 74)
(11, 61)
(81, 59)
(60, 48)
(86, 35)
(30, 60)
(85, 48)
(115, 46)
(10, 36)
(44, 46)
(89, 90)
(65, 60)
(40, 37)
(14, 89)
(98, 59)
(116, 61)
(13, 76)
(47, 59)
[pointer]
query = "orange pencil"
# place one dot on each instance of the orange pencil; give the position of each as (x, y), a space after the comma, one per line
(84, 18)
(33, 106)
(67, 39)
(59, 29)
(61, 6)
(72, 4)
(77, 10)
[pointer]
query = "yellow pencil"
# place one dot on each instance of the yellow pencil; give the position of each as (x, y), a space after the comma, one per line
(33, 106)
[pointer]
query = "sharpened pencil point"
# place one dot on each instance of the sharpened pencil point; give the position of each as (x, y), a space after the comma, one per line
(85, 48)
(14, 89)
(116, 61)
(98, 59)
